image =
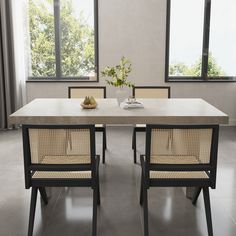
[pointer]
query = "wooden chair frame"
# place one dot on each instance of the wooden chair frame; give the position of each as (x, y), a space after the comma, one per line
(97, 129)
(143, 129)
(40, 184)
(200, 184)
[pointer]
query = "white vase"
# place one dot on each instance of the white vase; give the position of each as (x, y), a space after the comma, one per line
(121, 95)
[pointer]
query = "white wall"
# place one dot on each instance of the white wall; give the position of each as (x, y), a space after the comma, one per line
(137, 29)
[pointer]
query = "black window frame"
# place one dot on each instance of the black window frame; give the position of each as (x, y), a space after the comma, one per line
(205, 51)
(59, 77)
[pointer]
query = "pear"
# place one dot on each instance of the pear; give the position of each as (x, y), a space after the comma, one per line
(86, 101)
(92, 100)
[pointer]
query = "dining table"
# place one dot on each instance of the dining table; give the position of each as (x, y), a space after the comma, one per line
(154, 111)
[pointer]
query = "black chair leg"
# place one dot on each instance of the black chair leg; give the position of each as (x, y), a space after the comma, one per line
(196, 195)
(135, 146)
(32, 210)
(145, 210)
(141, 193)
(98, 201)
(95, 201)
(105, 138)
(208, 210)
(43, 194)
(97, 181)
(103, 145)
(133, 138)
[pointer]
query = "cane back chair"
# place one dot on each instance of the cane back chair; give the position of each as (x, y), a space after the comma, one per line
(180, 155)
(50, 161)
(146, 92)
(96, 92)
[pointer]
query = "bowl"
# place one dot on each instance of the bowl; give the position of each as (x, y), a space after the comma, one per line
(89, 106)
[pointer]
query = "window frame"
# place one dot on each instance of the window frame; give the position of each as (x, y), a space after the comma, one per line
(205, 51)
(57, 29)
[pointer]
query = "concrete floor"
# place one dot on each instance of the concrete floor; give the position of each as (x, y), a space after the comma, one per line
(69, 211)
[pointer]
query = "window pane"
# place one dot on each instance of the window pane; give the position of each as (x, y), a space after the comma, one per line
(222, 47)
(186, 37)
(41, 28)
(77, 38)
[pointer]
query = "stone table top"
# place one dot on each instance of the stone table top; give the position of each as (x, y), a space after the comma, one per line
(155, 111)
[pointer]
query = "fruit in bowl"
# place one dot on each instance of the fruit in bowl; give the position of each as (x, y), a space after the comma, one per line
(89, 103)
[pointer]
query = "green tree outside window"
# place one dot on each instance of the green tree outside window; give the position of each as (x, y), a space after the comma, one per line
(77, 40)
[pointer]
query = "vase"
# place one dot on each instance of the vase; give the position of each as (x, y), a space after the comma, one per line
(121, 95)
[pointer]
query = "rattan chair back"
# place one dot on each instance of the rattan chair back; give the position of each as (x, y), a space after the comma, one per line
(151, 92)
(81, 92)
(54, 151)
(182, 151)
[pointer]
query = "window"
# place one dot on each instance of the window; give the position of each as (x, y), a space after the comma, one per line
(63, 39)
(223, 37)
(200, 42)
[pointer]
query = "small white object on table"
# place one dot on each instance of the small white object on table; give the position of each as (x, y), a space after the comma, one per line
(131, 105)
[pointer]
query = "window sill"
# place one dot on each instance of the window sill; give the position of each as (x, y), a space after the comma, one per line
(63, 80)
(200, 80)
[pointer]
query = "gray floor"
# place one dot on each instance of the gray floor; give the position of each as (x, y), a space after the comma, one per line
(70, 209)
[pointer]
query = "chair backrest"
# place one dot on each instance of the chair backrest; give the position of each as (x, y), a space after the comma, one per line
(58, 148)
(182, 148)
(151, 92)
(81, 92)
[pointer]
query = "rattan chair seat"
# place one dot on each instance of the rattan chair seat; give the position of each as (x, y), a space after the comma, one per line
(178, 175)
(67, 159)
(62, 175)
(180, 159)
(174, 159)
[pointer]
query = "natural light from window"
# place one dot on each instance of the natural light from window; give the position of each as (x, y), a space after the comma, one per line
(77, 38)
(188, 57)
(223, 36)
(42, 38)
(186, 30)
(62, 42)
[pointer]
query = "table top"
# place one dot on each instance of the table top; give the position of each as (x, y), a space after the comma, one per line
(155, 111)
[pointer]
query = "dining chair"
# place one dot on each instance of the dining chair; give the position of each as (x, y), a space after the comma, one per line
(96, 92)
(179, 156)
(50, 161)
(146, 92)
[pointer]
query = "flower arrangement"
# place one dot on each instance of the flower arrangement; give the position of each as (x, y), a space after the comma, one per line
(118, 74)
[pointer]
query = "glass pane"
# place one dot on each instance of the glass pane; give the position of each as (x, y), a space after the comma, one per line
(77, 38)
(41, 28)
(186, 37)
(222, 47)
